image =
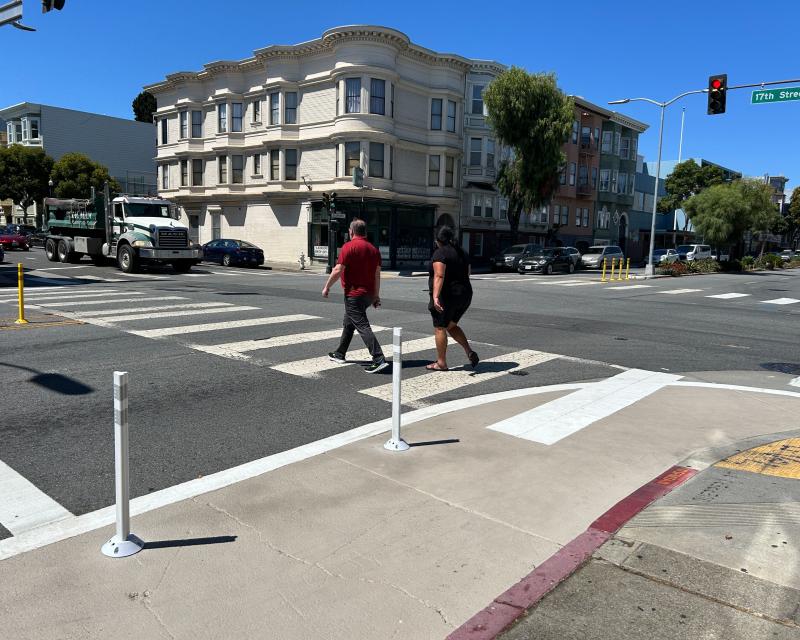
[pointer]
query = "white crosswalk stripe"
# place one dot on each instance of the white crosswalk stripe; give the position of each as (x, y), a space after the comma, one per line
(729, 296)
(433, 383)
(145, 276)
(580, 284)
(237, 350)
(782, 301)
(130, 317)
(94, 313)
(218, 326)
(99, 279)
(86, 293)
(675, 292)
(631, 286)
(312, 366)
(82, 303)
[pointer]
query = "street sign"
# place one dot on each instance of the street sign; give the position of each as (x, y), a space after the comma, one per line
(338, 215)
(763, 96)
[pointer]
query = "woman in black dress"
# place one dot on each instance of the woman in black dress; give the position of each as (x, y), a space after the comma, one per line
(451, 295)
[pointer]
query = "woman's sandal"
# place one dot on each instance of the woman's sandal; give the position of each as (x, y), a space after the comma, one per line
(434, 366)
(473, 359)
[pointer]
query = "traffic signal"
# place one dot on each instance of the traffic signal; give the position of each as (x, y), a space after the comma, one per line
(326, 201)
(717, 90)
(49, 5)
(333, 202)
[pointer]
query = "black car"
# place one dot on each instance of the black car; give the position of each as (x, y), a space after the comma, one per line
(233, 252)
(547, 261)
(509, 257)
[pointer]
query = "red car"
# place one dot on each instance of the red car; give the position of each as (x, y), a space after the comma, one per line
(11, 238)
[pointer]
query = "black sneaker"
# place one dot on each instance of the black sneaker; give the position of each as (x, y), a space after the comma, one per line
(337, 357)
(376, 367)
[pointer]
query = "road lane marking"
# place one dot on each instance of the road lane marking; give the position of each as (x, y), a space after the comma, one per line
(632, 286)
(217, 326)
(98, 278)
(129, 317)
(553, 421)
(142, 275)
(781, 301)
(107, 301)
(675, 292)
(580, 284)
(24, 507)
(311, 366)
(81, 266)
(795, 382)
(433, 383)
(729, 296)
(237, 350)
(94, 313)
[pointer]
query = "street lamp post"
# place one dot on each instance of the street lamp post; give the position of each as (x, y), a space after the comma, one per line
(649, 270)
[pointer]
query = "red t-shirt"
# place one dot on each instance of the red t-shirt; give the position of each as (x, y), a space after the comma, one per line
(360, 259)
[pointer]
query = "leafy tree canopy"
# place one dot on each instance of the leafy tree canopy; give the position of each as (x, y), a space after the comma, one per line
(144, 106)
(75, 174)
(686, 180)
(24, 174)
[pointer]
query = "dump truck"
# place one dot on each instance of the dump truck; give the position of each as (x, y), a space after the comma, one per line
(129, 230)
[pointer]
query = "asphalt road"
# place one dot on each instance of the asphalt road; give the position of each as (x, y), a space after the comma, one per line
(203, 399)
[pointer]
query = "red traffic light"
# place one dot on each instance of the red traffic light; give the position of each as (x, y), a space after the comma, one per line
(716, 83)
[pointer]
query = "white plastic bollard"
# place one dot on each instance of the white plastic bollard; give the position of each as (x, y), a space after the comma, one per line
(123, 543)
(396, 443)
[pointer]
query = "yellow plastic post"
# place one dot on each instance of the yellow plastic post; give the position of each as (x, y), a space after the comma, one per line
(603, 279)
(628, 269)
(21, 296)
(613, 264)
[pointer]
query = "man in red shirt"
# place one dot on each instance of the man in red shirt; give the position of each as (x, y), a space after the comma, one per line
(359, 267)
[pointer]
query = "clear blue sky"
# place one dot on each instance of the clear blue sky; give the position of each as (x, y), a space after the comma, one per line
(96, 55)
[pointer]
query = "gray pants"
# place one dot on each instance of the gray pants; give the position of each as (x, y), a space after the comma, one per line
(355, 319)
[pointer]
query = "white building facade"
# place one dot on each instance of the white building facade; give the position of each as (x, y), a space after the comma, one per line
(247, 148)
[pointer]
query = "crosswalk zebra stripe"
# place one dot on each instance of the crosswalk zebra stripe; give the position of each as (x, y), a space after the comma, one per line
(324, 363)
(23, 506)
(87, 293)
(145, 276)
(112, 301)
(729, 296)
(98, 278)
(676, 292)
(129, 317)
(94, 313)
(217, 326)
(434, 383)
(580, 284)
(632, 286)
(237, 350)
(782, 301)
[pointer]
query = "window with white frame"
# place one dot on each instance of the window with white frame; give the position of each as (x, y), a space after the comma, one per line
(183, 118)
(449, 171)
(504, 209)
(274, 108)
(197, 124)
(376, 159)
(33, 125)
(434, 170)
(352, 103)
(237, 115)
(631, 182)
(377, 96)
(596, 137)
(624, 148)
(216, 226)
(586, 217)
(477, 244)
(237, 169)
(575, 126)
(352, 157)
(571, 174)
(605, 179)
(477, 99)
(556, 213)
(617, 138)
(257, 164)
(451, 116)
(10, 132)
(18, 131)
(583, 176)
(290, 164)
(165, 176)
(594, 177)
(488, 207)
(578, 217)
(222, 118)
(256, 110)
(562, 175)
(622, 182)
(614, 178)
(543, 217)
(222, 169)
(290, 107)
(564, 215)
(607, 137)
(436, 114)
(274, 164)
(477, 205)
(586, 137)
(197, 173)
(490, 153)
(633, 148)
(392, 105)
(164, 125)
(475, 151)
(184, 172)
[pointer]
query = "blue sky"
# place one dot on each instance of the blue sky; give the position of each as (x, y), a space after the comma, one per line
(96, 55)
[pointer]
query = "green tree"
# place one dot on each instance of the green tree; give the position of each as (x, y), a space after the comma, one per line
(144, 106)
(723, 212)
(75, 174)
(686, 180)
(24, 173)
(791, 219)
(533, 117)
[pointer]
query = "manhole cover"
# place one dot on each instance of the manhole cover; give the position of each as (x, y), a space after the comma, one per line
(782, 367)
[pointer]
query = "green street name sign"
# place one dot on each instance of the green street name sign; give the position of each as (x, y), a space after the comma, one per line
(762, 96)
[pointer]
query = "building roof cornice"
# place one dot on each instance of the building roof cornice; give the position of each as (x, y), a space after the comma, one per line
(626, 121)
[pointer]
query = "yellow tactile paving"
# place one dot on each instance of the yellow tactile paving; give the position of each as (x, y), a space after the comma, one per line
(781, 459)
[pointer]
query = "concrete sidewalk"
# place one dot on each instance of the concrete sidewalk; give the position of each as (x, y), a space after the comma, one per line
(358, 542)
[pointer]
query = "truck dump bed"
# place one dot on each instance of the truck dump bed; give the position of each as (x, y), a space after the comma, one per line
(74, 214)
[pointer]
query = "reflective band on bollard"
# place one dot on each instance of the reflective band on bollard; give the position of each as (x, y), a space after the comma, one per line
(396, 443)
(123, 543)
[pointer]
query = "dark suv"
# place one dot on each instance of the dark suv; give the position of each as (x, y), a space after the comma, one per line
(546, 261)
(509, 258)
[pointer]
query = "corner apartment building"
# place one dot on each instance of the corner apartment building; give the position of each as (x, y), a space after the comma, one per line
(247, 148)
(126, 147)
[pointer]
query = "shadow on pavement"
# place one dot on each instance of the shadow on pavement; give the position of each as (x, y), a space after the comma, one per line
(55, 381)
(188, 542)
(429, 443)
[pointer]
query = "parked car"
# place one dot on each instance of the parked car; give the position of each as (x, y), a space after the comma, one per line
(689, 252)
(574, 255)
(232, 252)
(664, 256)
(2, 255)
(721, 255)
(787, 254)
(509, 257)
(593, 257)
(546, 261)
(11, 238)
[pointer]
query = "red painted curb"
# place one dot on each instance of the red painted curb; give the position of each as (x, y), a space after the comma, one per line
(512, 604)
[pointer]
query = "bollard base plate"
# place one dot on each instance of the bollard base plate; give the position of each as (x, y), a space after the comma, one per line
(21, 321)
(117, 548)
(396, 445)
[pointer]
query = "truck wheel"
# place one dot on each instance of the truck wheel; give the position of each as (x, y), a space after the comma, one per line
(182, 266)
(126, 259)
(64, 253)
(50, 250)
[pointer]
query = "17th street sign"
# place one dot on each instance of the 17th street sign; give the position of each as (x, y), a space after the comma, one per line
(763, 96)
